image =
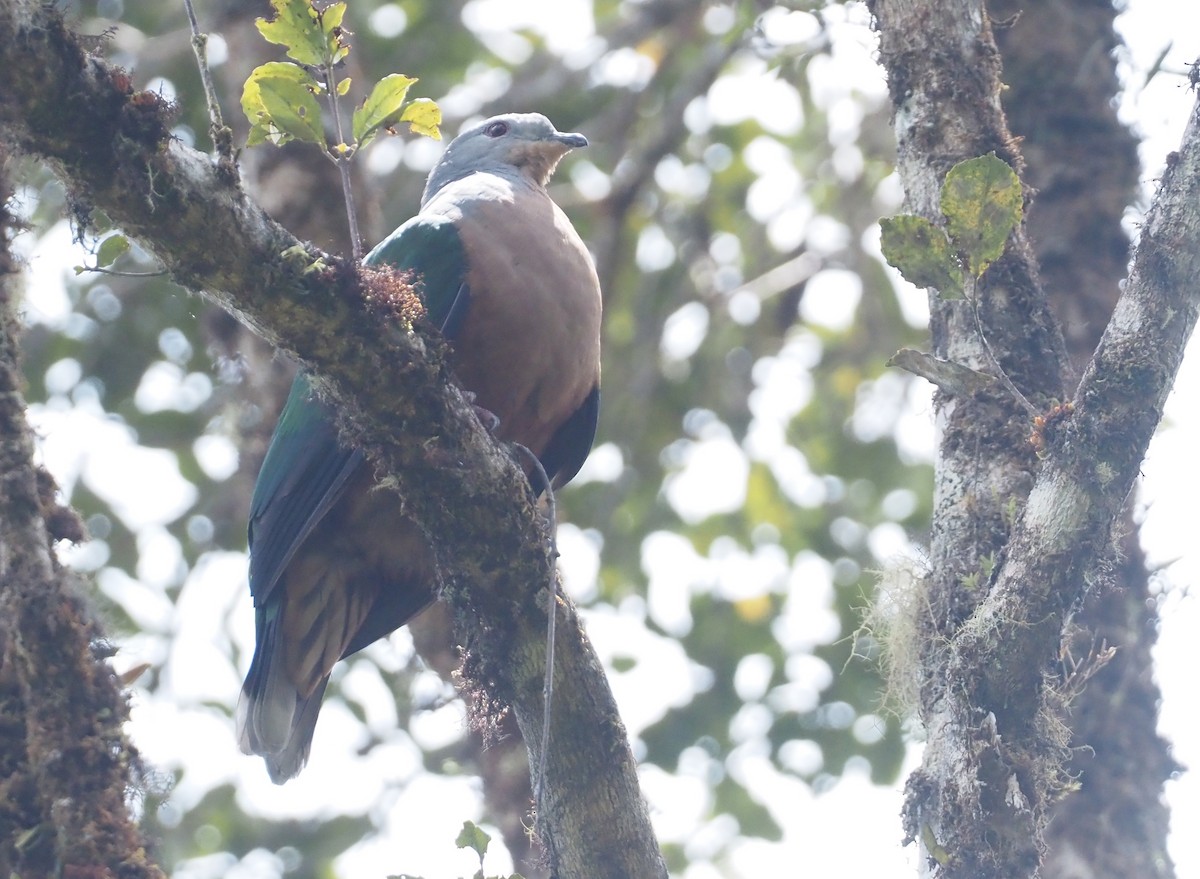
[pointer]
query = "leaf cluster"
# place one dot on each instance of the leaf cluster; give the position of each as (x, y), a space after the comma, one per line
(280, 97)
(981, 204)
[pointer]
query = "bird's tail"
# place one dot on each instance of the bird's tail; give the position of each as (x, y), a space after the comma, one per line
(275, 720)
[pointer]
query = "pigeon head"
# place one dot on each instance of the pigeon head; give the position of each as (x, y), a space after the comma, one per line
(527, 143)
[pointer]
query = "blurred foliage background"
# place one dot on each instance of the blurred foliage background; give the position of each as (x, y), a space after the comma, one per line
(755, 461)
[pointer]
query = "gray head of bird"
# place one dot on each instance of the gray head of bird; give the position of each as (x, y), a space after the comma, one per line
(526, 142)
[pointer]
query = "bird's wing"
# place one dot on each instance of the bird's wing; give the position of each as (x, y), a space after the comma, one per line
(571, 443)
(302, 475)
(429, 247)
(306, 469)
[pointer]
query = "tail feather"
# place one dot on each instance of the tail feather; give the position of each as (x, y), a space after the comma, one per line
(274, 719)
(303, 630)
(284, 760)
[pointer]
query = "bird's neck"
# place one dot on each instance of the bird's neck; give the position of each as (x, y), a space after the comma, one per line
(518, 176)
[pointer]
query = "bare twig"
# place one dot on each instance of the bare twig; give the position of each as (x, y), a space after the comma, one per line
(222, 135)
(341, 156)
(160, 273)
(972, 298)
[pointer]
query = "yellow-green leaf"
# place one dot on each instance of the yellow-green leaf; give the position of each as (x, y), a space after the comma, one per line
(922, 253)
(331, 23)
(473, 837)
(343, 87)
(423, 116)
(313, 37)
(331, 17)
(932, 847)
(111, 248)
(382, 107)
(297, 28)
(278, 100)
(981, 199)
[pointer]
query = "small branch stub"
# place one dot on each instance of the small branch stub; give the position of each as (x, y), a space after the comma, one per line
(951, 378)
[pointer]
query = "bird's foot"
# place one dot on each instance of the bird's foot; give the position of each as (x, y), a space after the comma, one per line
(489, 419)
(538, 480)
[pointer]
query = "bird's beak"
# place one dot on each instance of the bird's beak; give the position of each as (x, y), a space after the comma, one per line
(574, 141)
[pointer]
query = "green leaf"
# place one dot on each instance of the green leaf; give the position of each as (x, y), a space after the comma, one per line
(278, 100)
(981, 199)
(331, 25)
(424, 117)
(111, 248)
(311, 36)
(473, 837)
(922, 253)
(343, 87)
(297, 27)
(331, 17)
(382, 108)
(935, 850)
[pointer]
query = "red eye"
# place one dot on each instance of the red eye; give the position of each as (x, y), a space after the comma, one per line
(496, 129)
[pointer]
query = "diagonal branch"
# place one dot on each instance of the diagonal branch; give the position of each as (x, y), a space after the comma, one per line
(1083, 486)
(111, 147)
(1086, 479)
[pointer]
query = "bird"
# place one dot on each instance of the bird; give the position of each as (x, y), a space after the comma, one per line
(334, 562)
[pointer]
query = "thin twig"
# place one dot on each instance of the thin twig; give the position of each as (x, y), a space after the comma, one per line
(352, 218)
(155, 274)
(222, 136)
(342, 159)
(973, 304)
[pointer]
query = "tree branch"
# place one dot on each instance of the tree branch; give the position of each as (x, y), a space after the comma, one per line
(111, 147)
(1084, 484)
(1060, 74)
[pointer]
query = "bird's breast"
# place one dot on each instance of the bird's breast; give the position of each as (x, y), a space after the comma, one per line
(530, 347)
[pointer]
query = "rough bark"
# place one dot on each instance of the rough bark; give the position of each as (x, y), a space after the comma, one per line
(1019, 540)
(1059, 70)
(111, 147)
(65, 764)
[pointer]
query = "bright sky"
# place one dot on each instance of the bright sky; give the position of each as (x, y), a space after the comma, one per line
(855, 823)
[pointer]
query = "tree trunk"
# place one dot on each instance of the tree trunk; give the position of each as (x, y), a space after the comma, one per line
(1020, 541)
(65, 764)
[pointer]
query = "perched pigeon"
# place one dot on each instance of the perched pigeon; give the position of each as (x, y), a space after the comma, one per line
(334, 564)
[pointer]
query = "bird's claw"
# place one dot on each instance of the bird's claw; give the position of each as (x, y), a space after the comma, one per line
(488, 418)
